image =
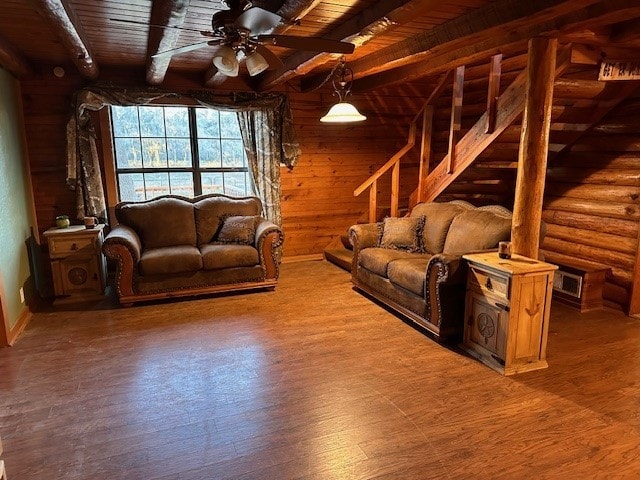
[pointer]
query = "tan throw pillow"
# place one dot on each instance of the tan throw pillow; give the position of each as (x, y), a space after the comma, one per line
(402, 233)
(238, 229)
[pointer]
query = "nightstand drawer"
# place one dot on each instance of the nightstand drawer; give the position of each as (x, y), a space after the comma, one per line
(489, 282)
(63, 246)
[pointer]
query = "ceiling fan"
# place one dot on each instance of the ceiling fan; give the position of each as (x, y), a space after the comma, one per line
(241, 33)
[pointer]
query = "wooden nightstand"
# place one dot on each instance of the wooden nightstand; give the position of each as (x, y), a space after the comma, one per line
(78, 266)
(507, 311)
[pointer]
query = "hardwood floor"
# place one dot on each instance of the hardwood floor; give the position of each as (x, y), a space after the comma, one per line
(310, 381)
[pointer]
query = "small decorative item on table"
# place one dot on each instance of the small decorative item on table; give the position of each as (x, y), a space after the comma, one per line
(504, 250)
(90, 222)
(62, 221)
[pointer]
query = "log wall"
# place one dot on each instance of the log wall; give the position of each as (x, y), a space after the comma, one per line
(592, 202)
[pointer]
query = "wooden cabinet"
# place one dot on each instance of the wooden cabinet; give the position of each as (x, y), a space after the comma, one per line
(77, 263)
(507, 311)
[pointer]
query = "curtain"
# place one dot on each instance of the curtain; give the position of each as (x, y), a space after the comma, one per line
(277, 145)
(266, 134)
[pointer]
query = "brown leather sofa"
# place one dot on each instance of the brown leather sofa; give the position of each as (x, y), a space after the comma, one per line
(428, 285)
(176, 246)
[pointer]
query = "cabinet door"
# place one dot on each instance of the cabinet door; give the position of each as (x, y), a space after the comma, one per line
(487, 321)
(80, 274)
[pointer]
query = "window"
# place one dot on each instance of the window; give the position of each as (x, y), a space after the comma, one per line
(178, 150)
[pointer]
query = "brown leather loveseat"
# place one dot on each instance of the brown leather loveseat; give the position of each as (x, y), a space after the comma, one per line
(414, 264)
(176, 246)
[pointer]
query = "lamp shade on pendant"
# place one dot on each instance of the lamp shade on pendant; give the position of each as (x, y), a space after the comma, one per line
(226, 62)
(256, 64)
(343, 112)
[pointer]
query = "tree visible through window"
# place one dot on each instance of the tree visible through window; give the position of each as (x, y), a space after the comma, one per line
(178, 150)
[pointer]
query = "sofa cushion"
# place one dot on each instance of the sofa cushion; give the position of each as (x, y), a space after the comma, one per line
(376, 259)
(238, 229)
(409, 274)
(478, 229)
(438, 219)
(402, 233)
(166, 260)
(210, 213)
(164, 222)
(215, 256)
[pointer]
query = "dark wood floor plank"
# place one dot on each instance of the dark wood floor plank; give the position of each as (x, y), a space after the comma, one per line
(310, 381)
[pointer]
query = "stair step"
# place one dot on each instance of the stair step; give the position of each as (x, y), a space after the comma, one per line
(340, 257)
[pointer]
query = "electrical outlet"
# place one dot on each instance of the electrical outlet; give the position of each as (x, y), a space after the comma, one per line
(21, 295)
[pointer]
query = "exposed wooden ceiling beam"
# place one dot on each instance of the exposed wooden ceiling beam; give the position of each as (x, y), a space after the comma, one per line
(372, 22)
(628, 31)
(291, 11)
(463, 51)
(67, 28)
(170, 14)
(502, 15)
(12, 61)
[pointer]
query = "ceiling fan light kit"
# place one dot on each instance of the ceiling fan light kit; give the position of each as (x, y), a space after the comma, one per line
(256, 64)
(226, 62)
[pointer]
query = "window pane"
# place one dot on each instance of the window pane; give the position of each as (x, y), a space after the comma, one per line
(208, 123)
(179, 152)
(229, 125)
(212, 183)
(181, 184)
(235, 184)
(209, 151)
(154, 153)
(131, 187)
(156, 184)
(151, 122)
(125, 121)
(177, 121)
(232, 153)
(128, 154)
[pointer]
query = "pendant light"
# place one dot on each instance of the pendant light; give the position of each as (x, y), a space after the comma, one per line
(343, 111)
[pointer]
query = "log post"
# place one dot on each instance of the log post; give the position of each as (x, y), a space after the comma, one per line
(534, 147)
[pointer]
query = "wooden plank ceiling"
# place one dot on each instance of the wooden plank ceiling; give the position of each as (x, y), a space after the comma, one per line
(396, 40)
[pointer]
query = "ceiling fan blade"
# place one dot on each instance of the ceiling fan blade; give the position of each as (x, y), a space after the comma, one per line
(310, 44)
(258, 20)
(186, 48)
(269, 56)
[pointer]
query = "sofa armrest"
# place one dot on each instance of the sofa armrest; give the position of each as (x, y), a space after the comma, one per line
(362, 236)
(446, 271)
(269, 240)
(123, 245)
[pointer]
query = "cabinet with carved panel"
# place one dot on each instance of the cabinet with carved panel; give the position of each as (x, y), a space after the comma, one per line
(507, 311)
(77, 263)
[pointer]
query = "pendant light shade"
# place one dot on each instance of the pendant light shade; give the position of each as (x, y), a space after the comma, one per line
(343, 112)
(256, 64)
(226, 62)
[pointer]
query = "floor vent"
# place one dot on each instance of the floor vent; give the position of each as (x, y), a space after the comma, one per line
(568, 283)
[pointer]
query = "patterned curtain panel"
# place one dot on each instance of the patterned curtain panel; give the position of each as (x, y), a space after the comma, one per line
(271, 144)
(268, 141)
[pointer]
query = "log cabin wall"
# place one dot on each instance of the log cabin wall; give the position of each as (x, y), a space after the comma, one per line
(317, 195)
(592, 201)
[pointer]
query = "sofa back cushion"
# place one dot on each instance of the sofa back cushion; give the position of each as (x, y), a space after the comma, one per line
(478, 229)
(161, 222)
(211, 212)
(438, 218)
